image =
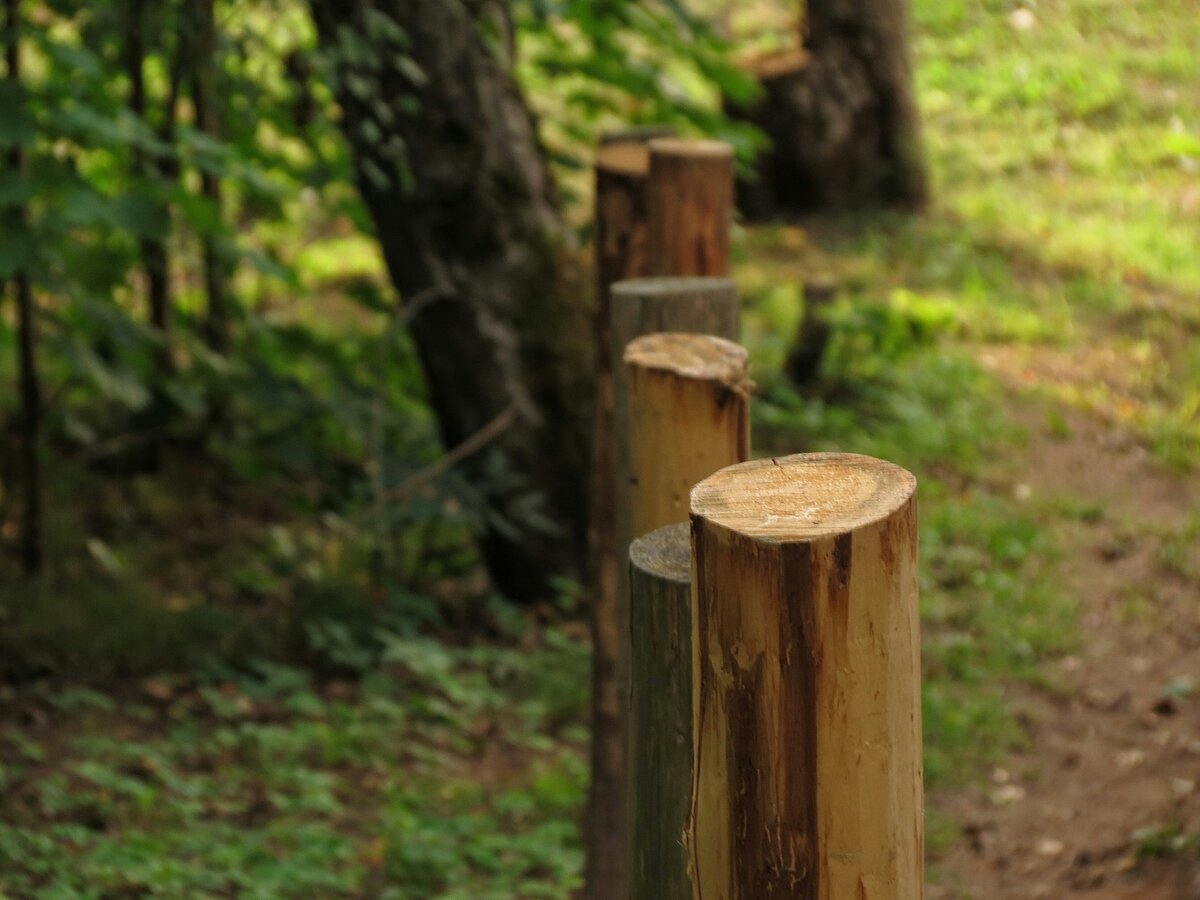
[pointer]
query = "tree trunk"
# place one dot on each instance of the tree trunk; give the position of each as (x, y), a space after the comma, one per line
(840, 116)
(204, 95)
(807, 685)
(153, 250)
(29, 382)
(449, 165)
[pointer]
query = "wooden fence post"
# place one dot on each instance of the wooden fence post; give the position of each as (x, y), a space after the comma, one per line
(660, 717)
(689, 207)
(688, 402)
(639, 306)
(622, 166)
(688, 416)
(806, 666)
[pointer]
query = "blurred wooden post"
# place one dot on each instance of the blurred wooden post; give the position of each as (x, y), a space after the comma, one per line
(660, 766)
(689, 415)
(647, 306)
(688, 406)
(639, 306)
(689, 207)
(806, 666)
(622, 166)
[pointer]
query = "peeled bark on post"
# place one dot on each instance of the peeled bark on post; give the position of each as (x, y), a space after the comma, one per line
(689, 207)
(806, 666)
(660, 720)
(639, 306)
(689, 415)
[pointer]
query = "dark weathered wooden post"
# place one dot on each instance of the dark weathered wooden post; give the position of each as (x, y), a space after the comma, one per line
(806, 673)
(660, 712)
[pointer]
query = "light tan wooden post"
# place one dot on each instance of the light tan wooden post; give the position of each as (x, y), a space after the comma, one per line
(660, 719)
(689, 207)
(689, 415)
(806, 667)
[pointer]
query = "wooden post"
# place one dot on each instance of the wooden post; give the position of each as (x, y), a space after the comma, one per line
(806, 666)
(689, 415)
(639, 306)
(660, 718)
(646, 306)
(689, 207)
(622, 166)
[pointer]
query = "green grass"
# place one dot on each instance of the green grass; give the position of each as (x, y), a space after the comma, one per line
(439, 772)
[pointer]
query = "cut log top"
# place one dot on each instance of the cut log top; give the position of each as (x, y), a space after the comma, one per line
(699, 356)
(803, 497)
(671, 287)
(691, 147)
(624, 157)
(665, 553)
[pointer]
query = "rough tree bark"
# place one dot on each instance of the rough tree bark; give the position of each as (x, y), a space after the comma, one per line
(840, 115)
(153, 250)
(449, 165)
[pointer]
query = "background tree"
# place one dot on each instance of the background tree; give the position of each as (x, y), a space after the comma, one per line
(449, 164)
(840, 114)
(29, 381)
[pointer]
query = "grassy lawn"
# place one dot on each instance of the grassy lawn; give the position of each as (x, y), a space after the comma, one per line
(1066, 154)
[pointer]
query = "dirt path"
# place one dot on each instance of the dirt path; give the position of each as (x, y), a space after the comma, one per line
(1104, 803)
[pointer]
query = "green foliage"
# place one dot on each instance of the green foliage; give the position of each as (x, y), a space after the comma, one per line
(592, 65)
(440, 774)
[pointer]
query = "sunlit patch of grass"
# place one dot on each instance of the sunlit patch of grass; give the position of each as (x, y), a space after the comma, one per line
(1075, 138)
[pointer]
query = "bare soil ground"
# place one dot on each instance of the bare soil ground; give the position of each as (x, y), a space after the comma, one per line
(1104, 802)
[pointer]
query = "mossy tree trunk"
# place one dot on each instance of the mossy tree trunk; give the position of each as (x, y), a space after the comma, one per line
(449, 165)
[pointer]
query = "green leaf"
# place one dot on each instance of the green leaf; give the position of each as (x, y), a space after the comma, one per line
(17, 249)
(17, 124)
(140, 214)
(15, 189)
